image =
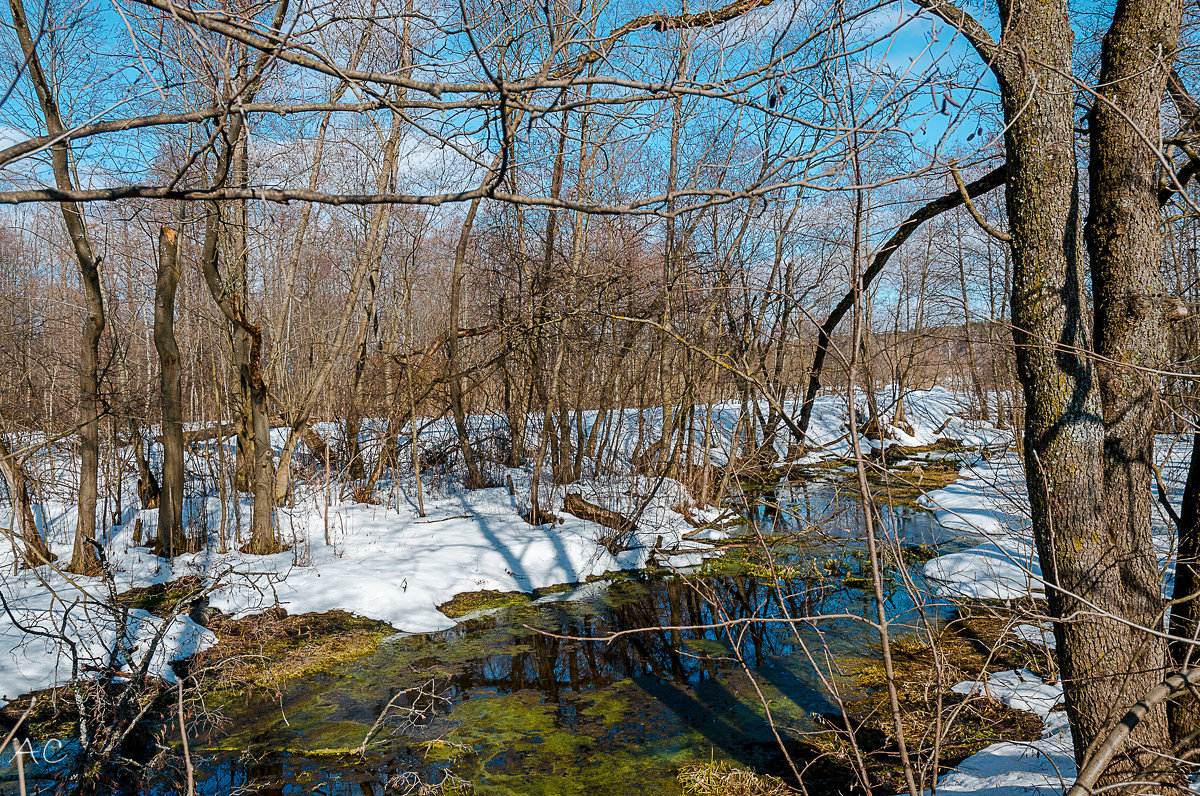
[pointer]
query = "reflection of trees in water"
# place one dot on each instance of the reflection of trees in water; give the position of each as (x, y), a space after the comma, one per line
(670, 614)
(678, 662)
(833, 513)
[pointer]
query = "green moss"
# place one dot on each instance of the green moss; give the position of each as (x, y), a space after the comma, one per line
(510, 728)
(613, 704)
(914, 555)
(943, 445)
(266, 650)
(53, 714)
(161, 598)
(771, 556)
(557, 588)
(470, 602)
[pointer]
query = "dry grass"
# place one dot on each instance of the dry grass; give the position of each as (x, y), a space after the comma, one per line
(265, 650)
(966, 724)
(723, 779)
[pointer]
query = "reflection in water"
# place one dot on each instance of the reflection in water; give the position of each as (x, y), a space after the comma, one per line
(526, 706)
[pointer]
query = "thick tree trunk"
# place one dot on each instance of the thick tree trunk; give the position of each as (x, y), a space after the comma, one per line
(84, 559)
(243, 423)
(262, 539)
(1064, 435)
(1106, 666)
(1125, 241)
(171, 539)
(1100, 576)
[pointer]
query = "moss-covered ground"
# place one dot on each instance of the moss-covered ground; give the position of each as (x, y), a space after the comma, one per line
(267, 650)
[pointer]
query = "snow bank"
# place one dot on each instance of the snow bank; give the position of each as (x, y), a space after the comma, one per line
(30, 662)
(929, 416)
(397, 567)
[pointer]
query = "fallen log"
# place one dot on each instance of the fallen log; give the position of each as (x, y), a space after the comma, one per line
(316, 444)
(574, 503)
(218, 431)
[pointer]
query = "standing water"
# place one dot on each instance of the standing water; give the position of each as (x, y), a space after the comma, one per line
(604, 687)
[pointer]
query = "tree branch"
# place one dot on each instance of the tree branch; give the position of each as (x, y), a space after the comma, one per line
(988, 182)
(983, 224)
(968, 26)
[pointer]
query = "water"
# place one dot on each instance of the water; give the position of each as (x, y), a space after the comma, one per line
(517, 702)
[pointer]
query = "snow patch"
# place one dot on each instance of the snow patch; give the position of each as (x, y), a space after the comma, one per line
(1045, 767)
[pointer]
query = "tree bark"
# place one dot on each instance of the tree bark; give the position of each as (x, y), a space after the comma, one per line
(149, 492)
(1124, 234)
(1064, 433)
(171, 538)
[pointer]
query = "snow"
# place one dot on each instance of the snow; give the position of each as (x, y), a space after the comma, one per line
(398, 567)
(384, 562)
(29, 662)
(931, 415)
(990, 501)
(1010, 768)
(1032, 634)
(1019, 689)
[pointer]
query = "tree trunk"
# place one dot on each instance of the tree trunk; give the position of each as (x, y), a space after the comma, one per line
(1105, 666)
(149, 493)
(1125, 242)
(83, 558)
(23, 525)
(253, 423)
(262, 539)
(455, 381)
(171, 539)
